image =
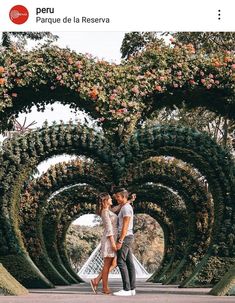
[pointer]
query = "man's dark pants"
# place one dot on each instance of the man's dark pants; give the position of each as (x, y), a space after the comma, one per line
(126, 264)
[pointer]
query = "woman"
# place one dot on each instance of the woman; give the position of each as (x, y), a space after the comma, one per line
(108, 240)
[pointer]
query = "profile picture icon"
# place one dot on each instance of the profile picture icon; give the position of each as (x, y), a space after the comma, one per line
(19, 14)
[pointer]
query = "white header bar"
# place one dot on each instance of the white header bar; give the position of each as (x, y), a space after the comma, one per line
(120, 15)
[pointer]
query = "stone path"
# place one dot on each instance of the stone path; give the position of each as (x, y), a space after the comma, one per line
(146, 293)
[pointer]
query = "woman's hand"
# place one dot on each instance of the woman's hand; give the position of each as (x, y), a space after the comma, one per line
(132, 199)
(114, 246)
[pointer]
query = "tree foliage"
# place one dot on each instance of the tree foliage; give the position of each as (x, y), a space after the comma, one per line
(19, 39)
(81, 241)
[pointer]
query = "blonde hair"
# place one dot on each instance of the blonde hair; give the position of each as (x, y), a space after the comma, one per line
(100, 202)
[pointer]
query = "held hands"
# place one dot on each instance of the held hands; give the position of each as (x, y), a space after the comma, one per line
(114, 246)
(118, 245)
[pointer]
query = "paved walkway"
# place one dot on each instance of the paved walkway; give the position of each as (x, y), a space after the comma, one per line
(146, 293)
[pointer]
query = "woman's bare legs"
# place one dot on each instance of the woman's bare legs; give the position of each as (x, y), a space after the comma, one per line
(114, 264)
(97, 280)
(105, 273)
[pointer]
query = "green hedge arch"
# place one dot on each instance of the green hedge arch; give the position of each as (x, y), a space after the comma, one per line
(9, 285)
(37, 199)
(42, 185)
(197, 201)
(71, 195)
(68, 203)
(75, 198)
(71, 211)
(194, 147)
(174, 206)
(185, 144)
(19, 158)
(62, 207)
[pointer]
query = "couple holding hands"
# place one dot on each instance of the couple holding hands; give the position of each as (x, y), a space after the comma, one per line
(116, 241)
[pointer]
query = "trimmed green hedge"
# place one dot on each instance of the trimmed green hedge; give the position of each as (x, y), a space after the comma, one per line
(184, 181)
(22, 154)
(213, 162)
(19, 158)
(9, 285)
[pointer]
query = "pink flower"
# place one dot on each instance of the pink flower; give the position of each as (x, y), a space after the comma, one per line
(203, 81)
(211, 76)
(121, 110)
(112, 97)
(209, 86)
(158, 88)
(233, 66)
(70, 61)
(191, 81)
(14, 95)
(175, 85)
(135, 90)
(79, 64)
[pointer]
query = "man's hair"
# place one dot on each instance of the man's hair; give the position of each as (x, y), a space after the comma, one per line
(121, 191)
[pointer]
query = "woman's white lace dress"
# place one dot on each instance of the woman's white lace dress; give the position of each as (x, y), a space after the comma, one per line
(109, 220)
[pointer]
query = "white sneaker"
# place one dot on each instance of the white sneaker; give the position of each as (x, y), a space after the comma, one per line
(133, 292)
(123, 293)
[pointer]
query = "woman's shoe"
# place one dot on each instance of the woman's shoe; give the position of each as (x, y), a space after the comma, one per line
(93, 286)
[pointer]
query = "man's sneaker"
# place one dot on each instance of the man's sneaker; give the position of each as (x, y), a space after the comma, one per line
(123, 293)
(133, 292)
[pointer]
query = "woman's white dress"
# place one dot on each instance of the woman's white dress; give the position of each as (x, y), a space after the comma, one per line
(109, 220)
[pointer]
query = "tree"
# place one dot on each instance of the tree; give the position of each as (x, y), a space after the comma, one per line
(21, 37)
(134, 42)
(208, 41)
(149, 243)
(81, 241)
(219, 127)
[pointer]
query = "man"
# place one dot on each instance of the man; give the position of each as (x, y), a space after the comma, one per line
(124, 244)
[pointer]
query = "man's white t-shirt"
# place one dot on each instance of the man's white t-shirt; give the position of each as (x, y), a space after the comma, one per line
(126, 211)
